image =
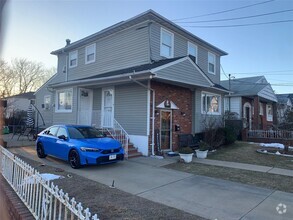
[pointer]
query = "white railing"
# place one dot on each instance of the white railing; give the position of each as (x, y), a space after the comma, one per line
(43, 199)
(119, 134)
(272, 134)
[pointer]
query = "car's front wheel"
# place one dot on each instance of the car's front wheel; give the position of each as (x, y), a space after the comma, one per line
(74, 159)
(40, 151)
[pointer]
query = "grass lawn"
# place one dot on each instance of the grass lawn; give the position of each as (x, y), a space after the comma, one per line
(266, 180)
(244, 152)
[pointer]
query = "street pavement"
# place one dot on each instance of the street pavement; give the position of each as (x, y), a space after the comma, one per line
(207, 197)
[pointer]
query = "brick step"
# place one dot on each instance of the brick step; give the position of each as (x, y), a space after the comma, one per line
(132, 152)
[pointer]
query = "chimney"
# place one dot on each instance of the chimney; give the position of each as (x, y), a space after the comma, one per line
(67, 42)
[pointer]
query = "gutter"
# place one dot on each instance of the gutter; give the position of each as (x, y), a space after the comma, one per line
(102, 80)
(153, 111)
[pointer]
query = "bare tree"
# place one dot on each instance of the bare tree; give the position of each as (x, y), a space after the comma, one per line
(22, 76)
(7, 80)
(29, 75)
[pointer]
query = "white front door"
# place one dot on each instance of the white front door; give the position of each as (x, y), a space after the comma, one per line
(85, 106)
(107, 107)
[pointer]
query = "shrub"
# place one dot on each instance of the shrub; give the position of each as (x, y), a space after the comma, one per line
(186, 150)
(203, 146)
(230, 136)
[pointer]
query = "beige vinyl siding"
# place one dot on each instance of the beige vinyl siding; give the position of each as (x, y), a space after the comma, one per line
(124, 49)
(131, 108)
(68, 117)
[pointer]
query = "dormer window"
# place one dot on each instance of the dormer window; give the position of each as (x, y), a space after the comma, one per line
(167, 43)
(90, 54)
(192, 50)
(73, 59)
(211, 63)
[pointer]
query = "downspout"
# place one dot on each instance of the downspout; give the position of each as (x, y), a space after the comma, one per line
(153, 111)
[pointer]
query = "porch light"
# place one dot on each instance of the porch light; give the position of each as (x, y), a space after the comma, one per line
(167, 103)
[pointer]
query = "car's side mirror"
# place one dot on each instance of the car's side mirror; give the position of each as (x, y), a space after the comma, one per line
(62, 137)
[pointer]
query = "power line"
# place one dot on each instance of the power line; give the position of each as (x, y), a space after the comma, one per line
(223, 71)
(241, 25)
(239, 18)
(221, 12)
(265, 72)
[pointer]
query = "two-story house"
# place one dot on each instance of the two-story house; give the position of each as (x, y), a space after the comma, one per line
(146, 74)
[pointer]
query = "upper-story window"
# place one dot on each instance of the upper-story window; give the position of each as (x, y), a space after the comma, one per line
(212, 63)
(167, 43)
(73, 59)
(192, 50)
(90, 54)
(47, 102)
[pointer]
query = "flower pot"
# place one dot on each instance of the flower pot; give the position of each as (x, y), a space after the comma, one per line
(201, 154)
(186, 157)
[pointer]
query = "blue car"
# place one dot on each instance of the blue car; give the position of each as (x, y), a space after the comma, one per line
(80, 145)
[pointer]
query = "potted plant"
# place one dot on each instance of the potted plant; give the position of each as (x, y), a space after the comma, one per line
(202, 152)
(186, 154)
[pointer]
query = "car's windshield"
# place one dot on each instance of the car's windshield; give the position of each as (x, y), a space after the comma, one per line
(84, 132)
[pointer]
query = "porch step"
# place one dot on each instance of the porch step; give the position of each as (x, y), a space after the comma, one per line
(132, 152)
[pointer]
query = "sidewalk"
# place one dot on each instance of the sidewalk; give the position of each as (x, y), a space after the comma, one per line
(245, 166)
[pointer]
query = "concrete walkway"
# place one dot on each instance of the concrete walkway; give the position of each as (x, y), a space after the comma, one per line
(207, 197)
(245, 166)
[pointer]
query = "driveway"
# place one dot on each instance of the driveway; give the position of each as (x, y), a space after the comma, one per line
(203, 196)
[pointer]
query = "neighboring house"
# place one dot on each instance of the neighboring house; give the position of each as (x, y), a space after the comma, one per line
(254, 101)
(284, 104)
(147, 74)
(17, 103)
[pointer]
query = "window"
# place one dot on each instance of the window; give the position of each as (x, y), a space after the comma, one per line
(64, 100)
(73, 59)
(269, 112)
(62, 131)
(47, 101)
(90, 54)
(167, 43)
(211, 103)
(260, 109)
(212, 63)
(51, 131)
(192, 50)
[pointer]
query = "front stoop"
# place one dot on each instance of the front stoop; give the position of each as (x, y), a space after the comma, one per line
(132, 151)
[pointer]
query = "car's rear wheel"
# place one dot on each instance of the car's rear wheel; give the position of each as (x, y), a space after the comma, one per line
(40, 151)
(74, 159)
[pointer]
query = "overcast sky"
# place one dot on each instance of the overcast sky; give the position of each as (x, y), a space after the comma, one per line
(32, 29)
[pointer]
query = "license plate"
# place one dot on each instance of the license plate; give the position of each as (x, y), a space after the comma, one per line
(112, 157)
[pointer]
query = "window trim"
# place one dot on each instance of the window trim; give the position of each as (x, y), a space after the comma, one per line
(69, 57)
(212, 54)
(86, 53)
(196, 49)
(220, 103)
(47, 96)
(57, 101)
(172, 43)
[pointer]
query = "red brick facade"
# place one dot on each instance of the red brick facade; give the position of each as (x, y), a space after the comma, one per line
(182, 98)
(258, 120)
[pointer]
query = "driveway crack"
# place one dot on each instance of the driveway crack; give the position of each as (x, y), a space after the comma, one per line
(257, 205)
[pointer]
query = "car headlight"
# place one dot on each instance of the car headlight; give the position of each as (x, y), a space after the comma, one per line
(88, 149)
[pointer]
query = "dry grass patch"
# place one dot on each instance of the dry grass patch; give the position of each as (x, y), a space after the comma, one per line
(266, 180)
(244, 152)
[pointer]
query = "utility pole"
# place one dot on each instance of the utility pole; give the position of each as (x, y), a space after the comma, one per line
(229, 93)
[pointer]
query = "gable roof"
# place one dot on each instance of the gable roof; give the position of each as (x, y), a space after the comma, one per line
(148, 71)
(286, 99)
(250, 86)
(145, 16)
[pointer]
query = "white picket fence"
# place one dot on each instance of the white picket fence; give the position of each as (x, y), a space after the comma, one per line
(44, 199)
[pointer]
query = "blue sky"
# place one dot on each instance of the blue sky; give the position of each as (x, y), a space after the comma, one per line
(32, 29)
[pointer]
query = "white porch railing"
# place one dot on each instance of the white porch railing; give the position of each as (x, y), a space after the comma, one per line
(119, 134)
(272, 134)
(44, 200)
